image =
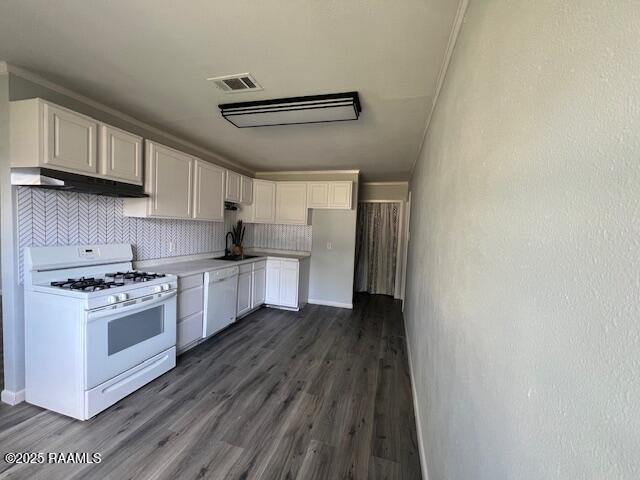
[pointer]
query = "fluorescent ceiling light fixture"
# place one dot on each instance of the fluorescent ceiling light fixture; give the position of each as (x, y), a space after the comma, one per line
(333, 107)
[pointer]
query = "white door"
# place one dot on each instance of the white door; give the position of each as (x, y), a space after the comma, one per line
(71, 140)
(171, 181)
(244, 293)
(272, 293)
(208, 194)
(318, 195)
(120, 155)
(340, 195)
(258, 287)
(264, 201)
(289, 284)
(246, 191)
(291, 203)
(233, 187)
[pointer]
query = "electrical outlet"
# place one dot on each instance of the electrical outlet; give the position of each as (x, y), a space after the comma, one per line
(329, 246)
(172, 246)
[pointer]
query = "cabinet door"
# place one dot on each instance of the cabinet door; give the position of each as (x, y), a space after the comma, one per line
(189, 330)
(71, 140)
(170, 181)
(208, 194)
(264, 201)
(244, 293)
(340, 195)
(289, 284)
(258, 288)
(318, 195)
(120, 156)
(233, 187)
(272, 294)
(246, 191)
(291, 203)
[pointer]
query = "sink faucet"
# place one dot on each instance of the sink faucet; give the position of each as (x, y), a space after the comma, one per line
(226, 248)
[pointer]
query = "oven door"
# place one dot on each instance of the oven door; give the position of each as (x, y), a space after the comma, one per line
(121, 337)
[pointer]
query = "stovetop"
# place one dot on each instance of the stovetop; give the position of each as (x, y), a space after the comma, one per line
(109, 280)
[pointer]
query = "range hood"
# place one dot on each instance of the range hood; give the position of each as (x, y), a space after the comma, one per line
(72, 182)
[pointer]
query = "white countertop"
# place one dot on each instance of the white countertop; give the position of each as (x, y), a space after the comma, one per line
(192, 267)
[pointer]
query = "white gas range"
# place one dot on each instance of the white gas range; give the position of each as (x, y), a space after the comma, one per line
(95, 329)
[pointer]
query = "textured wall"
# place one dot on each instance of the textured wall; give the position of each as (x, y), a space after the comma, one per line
(523, 310)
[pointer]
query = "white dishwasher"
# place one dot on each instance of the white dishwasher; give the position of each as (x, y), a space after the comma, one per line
(220, 299)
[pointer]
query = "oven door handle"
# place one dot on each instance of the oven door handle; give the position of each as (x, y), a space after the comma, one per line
(141, 304)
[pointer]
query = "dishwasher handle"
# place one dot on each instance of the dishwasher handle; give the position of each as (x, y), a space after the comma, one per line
(221, 275)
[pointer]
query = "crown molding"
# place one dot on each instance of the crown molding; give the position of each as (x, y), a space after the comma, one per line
(43, 82)
(453, 38)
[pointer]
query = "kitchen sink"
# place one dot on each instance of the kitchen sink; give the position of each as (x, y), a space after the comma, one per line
(236, 258)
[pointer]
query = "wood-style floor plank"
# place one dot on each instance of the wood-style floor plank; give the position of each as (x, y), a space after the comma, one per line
(323, 393)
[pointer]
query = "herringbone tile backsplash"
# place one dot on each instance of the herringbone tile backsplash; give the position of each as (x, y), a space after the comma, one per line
(49, 217)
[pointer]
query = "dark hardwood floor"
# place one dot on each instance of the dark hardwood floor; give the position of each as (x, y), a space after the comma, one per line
(323, 393)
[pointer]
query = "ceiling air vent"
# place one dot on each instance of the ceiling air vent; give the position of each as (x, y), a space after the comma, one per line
(240, 82)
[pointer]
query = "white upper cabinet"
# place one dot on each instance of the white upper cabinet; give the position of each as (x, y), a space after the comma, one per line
(340, 195)
(335, 195)
(45, 135)
(246, 190)
(169, 181)
(208, 194)
(318, 195)
(120, 155)
(263, 208)
(179, 186)
(71, 140)
(291, 203)
(233, 187)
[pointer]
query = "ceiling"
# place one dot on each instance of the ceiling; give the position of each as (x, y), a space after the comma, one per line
(150, 59)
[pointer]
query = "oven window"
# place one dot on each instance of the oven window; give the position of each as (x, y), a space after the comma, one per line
(127, 331)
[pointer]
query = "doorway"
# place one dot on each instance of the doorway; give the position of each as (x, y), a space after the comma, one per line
(377, 241)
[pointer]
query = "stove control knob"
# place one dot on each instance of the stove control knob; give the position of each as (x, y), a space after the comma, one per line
(165, 287)
(112, 299)
(123, 296)
(157, 289)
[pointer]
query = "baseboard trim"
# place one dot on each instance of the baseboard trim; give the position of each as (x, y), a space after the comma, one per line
(416, 410)
(328, 303)
(12, 398)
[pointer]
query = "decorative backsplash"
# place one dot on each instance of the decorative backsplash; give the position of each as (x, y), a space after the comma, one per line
(49, 217)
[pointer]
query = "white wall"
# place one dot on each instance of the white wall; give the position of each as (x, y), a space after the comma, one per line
(523, 311)
(331, 275)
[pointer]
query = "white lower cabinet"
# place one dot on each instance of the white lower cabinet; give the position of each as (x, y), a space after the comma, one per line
(258, 284)
(189, 331)
(272, 294)
(244, 290)
(287, 282)
(190, 307)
